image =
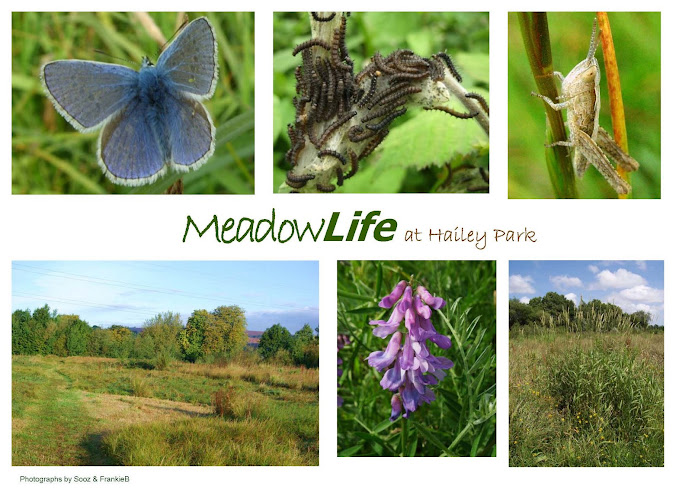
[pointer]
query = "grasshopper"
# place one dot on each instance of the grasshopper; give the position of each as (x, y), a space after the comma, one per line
(590, 143)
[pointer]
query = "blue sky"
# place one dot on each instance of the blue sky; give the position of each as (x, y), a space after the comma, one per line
(130, 292)
(632, 285)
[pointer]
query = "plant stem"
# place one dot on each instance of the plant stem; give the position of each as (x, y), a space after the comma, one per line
(472, 105)
(534, 31)
(404, 438)
(617, 107)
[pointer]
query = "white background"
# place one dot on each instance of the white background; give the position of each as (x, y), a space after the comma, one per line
(151, 228)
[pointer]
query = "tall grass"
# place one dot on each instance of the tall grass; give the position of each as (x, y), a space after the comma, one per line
(586, 399)
(210, 441)
(586, 319)
(609, 385)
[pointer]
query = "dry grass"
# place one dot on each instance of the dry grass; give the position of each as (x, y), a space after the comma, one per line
(268, 374)
(117, 411)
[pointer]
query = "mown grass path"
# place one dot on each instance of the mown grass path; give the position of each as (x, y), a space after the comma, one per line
(50, 425)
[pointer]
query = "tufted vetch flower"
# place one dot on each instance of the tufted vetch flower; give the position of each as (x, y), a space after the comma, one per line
(411, 366)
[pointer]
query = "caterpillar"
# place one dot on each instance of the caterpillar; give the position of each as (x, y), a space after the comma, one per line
(322, 19)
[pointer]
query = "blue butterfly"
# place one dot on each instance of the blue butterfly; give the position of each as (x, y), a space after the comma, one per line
(151, 119)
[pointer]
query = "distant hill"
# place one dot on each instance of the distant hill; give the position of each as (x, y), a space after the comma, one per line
(253, 338)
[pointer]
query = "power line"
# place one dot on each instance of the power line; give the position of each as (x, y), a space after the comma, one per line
(134, 286)
(84, 303)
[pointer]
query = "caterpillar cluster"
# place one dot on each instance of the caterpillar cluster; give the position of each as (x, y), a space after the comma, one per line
(342, 117)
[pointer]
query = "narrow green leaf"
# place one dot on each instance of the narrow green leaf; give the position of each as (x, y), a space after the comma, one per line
(348, 452)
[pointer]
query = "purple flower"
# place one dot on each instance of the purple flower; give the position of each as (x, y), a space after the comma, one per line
(411, 366)
(389, 300)
(383, 359)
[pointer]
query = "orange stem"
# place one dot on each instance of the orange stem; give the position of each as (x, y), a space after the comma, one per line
(617, 107)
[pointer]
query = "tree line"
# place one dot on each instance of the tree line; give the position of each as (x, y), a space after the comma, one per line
(207, 335)
(555, 311)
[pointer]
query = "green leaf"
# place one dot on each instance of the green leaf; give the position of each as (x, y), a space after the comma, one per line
(431, 138)
(284, 113)
(474, 69)
(350, 295)
(375, 179)
(365, 310)
(285, 61)
(432, 438)
(349, 452)
(413, 446)
(383, 425)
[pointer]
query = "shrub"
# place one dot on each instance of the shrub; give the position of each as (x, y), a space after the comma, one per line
(162, 360)
(232, 404)
(283, 357)
(273, 340)
(140, 387)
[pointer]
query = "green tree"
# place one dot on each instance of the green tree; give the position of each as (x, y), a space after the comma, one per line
(21, 333)
(41, 329)
(554, 304)
(230, 325)
(191, 338)
(641, 319)
(119, 342)
(77, 333)
(520, 314)
(221, 332)
(160, 336)
(96, 342)
(274, 339)
(305, 348)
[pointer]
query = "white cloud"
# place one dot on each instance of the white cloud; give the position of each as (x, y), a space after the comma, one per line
(573, 297)
(621, 279)
(643, 293)
(519, 284)
(593, 268)
(641, 265)
(525, 300)
(639, 298)
(564, 282)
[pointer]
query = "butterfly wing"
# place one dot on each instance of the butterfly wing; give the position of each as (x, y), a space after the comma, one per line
(190, 60)
(192, 132)
(87, 93)
(129, 151)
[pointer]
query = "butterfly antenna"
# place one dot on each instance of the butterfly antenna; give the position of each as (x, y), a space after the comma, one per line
(108, 55)
(186, 21)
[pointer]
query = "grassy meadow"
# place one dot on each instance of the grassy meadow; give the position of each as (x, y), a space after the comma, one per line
(104, 411)
(586, 399)
(50, 157)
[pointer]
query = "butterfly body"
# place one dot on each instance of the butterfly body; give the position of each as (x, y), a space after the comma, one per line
(152, 119)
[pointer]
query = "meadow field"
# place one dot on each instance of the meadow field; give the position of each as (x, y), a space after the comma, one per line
(586, 399)
(106, 411)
